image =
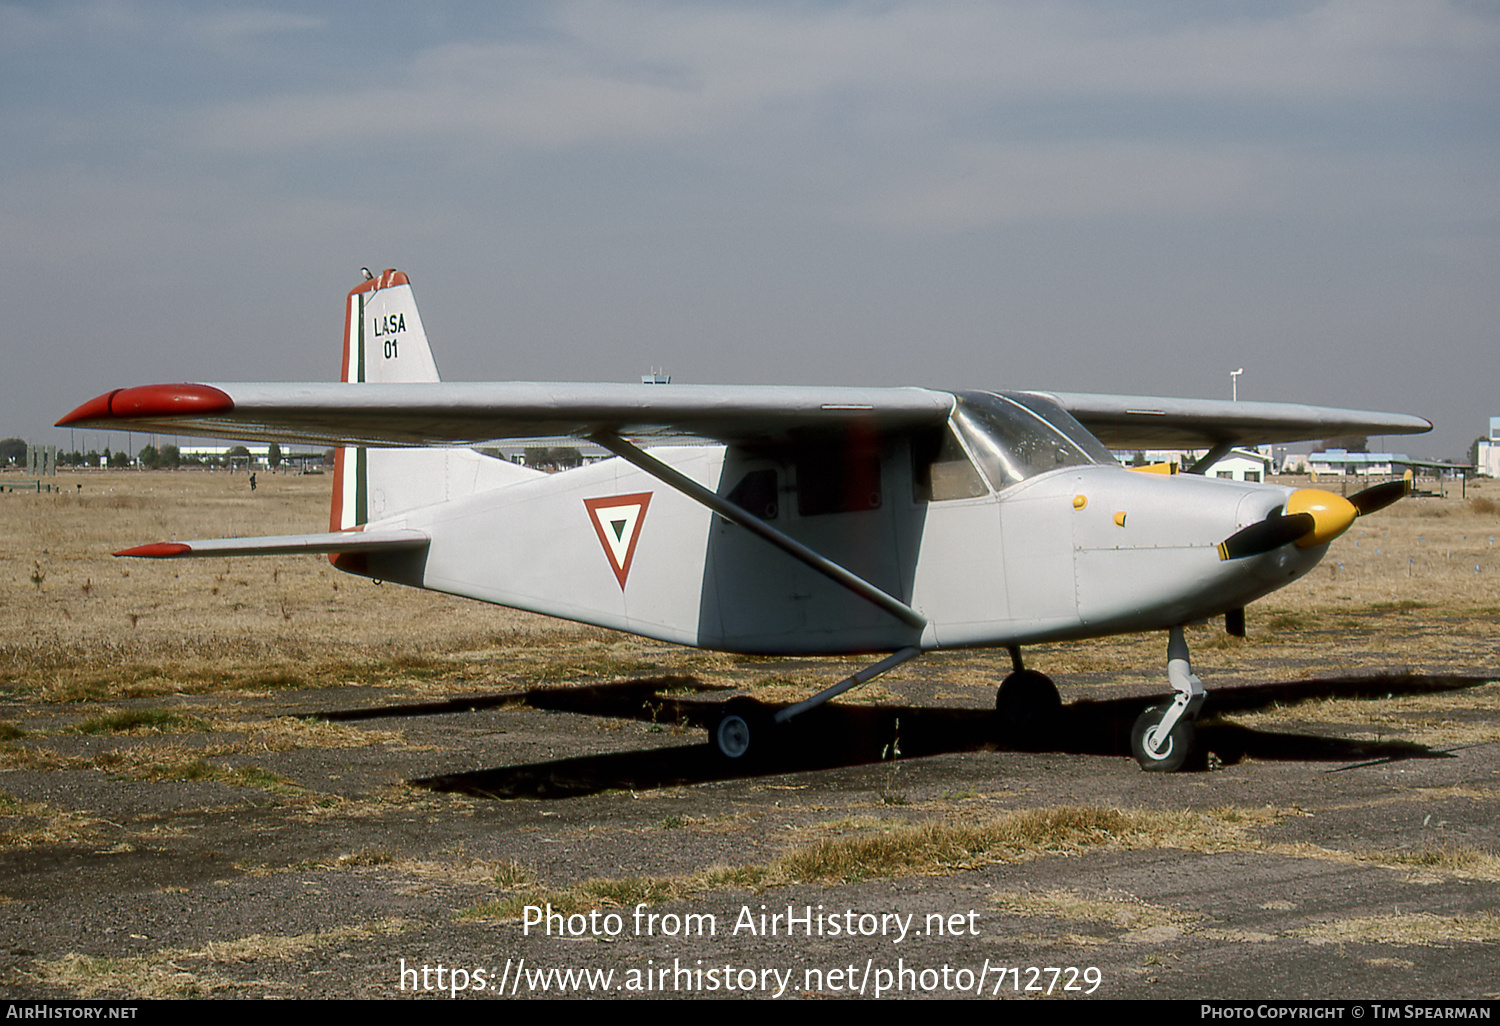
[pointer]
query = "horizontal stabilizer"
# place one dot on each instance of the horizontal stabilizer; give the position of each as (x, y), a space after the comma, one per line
(286, 544)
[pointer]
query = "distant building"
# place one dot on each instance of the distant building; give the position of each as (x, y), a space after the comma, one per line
(1241, 465)
(1487, 451)
(1237, 465)
(218, 453)
(1342, 462)
(298, 456)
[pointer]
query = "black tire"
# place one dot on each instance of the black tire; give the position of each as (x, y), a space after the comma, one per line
(1028, 710)
(1179, 747)
(742, 732)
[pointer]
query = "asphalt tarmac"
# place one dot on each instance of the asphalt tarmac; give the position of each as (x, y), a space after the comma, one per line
(1309, 855)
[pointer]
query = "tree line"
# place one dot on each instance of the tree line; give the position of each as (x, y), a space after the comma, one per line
(13, 452)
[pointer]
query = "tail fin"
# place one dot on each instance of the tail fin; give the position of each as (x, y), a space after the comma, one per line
(383, 336)
(384, 342)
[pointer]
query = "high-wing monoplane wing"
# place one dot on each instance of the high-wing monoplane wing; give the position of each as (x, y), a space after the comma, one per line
(1154, 422)
(460, 413)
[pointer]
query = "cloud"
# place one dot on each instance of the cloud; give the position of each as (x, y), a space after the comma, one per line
(622, 73)
(120, 26)
(991, 185)
(227, 29)
(724, 176)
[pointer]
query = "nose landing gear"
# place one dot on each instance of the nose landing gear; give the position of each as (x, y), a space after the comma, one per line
(1163, 737)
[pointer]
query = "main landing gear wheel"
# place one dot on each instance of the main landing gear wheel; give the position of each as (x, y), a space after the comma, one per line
(743, 732)
(1028, 709)
(1158, 754)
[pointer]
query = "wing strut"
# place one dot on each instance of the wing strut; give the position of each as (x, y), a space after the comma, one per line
(729, 511)
(864, 676)
(1211, 457)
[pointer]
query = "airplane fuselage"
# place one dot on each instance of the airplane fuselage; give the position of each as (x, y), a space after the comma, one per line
(1082, 551)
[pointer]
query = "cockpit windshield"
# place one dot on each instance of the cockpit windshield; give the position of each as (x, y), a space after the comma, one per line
(1016, 435)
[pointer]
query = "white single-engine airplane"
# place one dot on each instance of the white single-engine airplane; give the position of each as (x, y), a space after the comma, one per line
(804, 521)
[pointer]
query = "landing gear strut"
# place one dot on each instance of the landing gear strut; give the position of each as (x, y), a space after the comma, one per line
(746, 731)
(1027, 707)
(1163, 737)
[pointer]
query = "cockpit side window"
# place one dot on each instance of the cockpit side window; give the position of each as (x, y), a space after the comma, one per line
(757, 493)
(941, 470)
(1016, 436)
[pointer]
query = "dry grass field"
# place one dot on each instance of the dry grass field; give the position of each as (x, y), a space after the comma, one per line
(141, 702)
(79, 620)
(1423, 577)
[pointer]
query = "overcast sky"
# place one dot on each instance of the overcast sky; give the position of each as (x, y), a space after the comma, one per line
(1078, 196)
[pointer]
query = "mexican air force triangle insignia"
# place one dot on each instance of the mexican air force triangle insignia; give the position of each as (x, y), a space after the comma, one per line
(617, 521)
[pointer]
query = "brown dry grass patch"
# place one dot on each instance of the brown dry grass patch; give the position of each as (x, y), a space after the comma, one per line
(26, 824)
(289, 734)
(1121, 911)
(1460, 860)
(1425, 718)
(889, 850)
(1419, 929)
(193, 972)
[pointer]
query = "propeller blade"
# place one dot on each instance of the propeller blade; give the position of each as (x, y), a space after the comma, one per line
(1313, 517)
(1379, 496)
(1271, 533)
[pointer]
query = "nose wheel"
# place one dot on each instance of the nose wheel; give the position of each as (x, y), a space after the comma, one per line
(1161, 750)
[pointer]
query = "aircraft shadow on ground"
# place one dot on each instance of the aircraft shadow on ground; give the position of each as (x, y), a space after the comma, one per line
(836, 735)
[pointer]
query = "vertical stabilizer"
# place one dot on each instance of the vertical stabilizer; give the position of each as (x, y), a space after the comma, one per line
(384, 343)
(383, 337)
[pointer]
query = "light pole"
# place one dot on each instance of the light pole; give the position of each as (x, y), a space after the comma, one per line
(1234, 384)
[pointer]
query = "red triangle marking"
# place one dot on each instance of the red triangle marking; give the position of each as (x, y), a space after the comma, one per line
(624, 514)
